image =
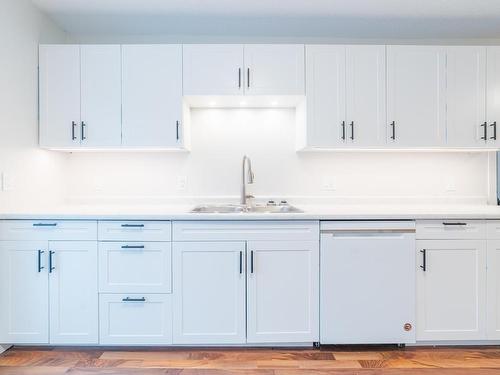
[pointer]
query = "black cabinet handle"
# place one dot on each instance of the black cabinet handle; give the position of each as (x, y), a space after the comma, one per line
(352, 130)
(485, 131)
(248, 77)
(132, 225)
(40, 268)
(455, 224)
(343, 130)
(241, 262)
(424, 260)
(128, 299)
(239, 78)
(133, 247)
(51, 267)
(251, 261)
(73, 131)
(494, 131)
(45, 224)
(393, 125)
(84, 137)
(177, 130)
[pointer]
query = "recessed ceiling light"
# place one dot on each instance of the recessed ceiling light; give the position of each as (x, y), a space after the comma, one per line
(274, 103)
(212, 104)
(243, 103)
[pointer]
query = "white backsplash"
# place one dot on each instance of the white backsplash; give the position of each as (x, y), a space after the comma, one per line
(212, 170)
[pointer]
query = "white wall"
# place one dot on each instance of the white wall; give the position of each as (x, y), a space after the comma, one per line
(220, 137)
(35, 175)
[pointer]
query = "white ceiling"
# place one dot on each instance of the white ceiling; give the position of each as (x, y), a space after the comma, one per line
(304, 18)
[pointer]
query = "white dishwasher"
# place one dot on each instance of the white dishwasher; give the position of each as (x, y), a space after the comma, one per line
(367, 282)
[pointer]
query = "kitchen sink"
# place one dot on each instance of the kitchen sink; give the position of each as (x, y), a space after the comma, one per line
(236, 208)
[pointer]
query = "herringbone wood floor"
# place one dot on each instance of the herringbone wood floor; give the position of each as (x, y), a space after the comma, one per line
(182, 361)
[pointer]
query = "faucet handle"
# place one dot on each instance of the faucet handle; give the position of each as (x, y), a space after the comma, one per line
(249, 196)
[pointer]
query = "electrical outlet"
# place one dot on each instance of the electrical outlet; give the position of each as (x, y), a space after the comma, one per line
(182, 183)
(7, 183)
(451, 186)
(328, 184)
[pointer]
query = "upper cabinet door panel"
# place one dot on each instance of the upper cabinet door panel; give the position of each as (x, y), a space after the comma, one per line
(493, 95)
(325, 95)
(213, 69)
(100, 95)
(416, 85)
(274, 69)
(59, 82)
(366, 95)
(152, 95)
(466, 96)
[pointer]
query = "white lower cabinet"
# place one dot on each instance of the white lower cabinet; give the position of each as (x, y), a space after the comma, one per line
(493, 291)
(73, 292)
(283, 290)
(451, 289)
(135, 267)
(209, 292)
(24, 291)
(48, 284)
(135, 319)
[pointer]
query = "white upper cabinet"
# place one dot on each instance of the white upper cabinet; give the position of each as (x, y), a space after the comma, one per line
(466, 97)
(100, 96)
(59, 82)
(345, 90)
(365, 93)
(325, 96)
(493, 96)
(274, 69)
(80, 96)
(152, 96)
(416, 89)
(213, 69)
(234, 69)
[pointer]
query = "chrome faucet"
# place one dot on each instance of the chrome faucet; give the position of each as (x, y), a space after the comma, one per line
(247, 178)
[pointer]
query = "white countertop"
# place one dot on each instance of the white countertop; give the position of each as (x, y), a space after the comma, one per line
(311, 212)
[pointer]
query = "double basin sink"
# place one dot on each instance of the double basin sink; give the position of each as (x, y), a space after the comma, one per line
(236, 208)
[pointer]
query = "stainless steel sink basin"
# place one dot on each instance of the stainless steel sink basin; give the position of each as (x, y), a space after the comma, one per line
(236, 208)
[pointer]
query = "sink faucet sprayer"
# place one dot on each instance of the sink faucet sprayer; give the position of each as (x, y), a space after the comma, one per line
(247, 178)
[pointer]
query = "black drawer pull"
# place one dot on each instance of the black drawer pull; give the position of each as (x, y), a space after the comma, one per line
(128, 299)
(45, 224)
(132, 225)
(133, 247)
(424, 260)
(455, 224)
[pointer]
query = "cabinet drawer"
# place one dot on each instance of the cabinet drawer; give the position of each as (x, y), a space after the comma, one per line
(135, 267)
(246, 231)
(41, 230)
(451, 229)
(135, 230)
(493, 229)
(135, 319)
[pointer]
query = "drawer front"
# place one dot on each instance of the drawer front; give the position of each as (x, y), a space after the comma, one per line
(493, 229)
(245, 231)
(135, 267)
(135, 319)
(451, 229)
(135, 230)
(41, 230)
